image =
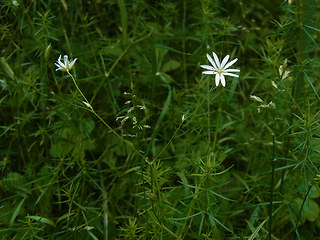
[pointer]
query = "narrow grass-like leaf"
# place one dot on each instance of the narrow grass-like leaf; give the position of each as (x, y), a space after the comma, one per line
(16, 211)
(42, 220)
(311, 85)
(7, 68)
(170, 49)
(257, 230)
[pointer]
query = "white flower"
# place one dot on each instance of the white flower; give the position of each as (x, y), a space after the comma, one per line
(220, 69)
(255, 98)
(3, 84)
(87, 105)
(66, 65)
(15, 3)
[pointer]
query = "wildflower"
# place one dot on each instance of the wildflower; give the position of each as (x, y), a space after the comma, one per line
(220, 69)
(283, 71)
(270, 104)
(87, 105)
(3, 84)
(141, 107)
(255, 98)
(66, 65)
(134, 121)
(15, 3)
(274, 84)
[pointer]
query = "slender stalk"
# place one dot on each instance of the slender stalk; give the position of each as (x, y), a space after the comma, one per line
(208, 98)
(75, 83)
(217, 128)
(90, 108)
(271, 188)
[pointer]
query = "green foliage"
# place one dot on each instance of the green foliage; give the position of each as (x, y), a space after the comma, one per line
(134, 142)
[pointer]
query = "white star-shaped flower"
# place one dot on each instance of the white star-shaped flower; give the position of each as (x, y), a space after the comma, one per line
(66, 65)
(220, 69)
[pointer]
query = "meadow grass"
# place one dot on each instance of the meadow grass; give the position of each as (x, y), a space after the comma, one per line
(134, 142)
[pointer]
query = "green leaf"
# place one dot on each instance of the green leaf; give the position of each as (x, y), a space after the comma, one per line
(170, 66)
(257, 230)
(314, 192)
(67, 215)
(16, 211)
(42, 220)
(310, 210)
(169, 48)
(6, 67)
(113, 49)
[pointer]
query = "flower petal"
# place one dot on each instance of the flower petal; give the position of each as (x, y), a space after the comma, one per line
(216, 59)
(65, 59)
(72, 62)
(208, 72)
(231, 70)
(224, 61)
(59, 68)
(223, 80)
(217, 79)
(230, 63)
(211, 61)
(207, 67)
(231, 74)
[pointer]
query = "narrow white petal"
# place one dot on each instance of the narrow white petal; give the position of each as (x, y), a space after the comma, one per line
(230, 74)
(208, 72)
(230, 63)
(59, 59)
(72, 62)
(224, 61)
(231, 70)
(217, 79)
(65, 61)
(216, 59)
(223, 80)
(207, 67)
(211, 61)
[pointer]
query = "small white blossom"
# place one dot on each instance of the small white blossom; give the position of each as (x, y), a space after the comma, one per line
(274, 84)
(220, 69)
(3, 84)
(66, 65)
(255, 98)
(271, 104)
(130, 110)
(141, 107)
(87, 105)
(134, 120)
(124, 120)
(15, 3)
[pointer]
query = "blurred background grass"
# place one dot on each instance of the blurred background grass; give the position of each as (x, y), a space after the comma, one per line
(64, 175)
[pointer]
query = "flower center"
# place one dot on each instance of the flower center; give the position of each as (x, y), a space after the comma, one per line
(219, 71)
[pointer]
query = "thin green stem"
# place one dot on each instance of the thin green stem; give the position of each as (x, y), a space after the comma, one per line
(217, 128)
(271, 188)
(208, 102)
(74, 81)
(90, 108)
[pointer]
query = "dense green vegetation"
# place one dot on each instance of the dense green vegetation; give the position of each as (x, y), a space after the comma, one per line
(134, 142)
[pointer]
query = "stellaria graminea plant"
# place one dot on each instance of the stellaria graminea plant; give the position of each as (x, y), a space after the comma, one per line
(220, 69)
